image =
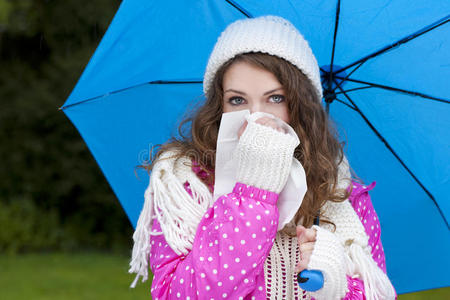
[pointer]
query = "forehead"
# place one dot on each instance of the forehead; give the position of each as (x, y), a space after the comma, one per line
(244, 74)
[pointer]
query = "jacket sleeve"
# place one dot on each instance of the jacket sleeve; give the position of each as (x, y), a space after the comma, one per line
(227, 258)
(363, 207)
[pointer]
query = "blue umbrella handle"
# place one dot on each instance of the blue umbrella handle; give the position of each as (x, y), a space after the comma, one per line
(310, 280)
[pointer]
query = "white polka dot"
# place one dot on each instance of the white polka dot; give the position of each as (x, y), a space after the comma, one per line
(249, 253)
(206, 215)
(219, 283)
(242, 242)
(178, 295)
(259, 247)
(216, 227)
(202, 258)
(216, 242)
(225, 266)
(208, 287)
(187, 268)
(245, 280)
(224, 295)
(254, 235)
(254, 265)
(210, 244)
(258, 217)
(237, 259)
(204, 227)
(202, 275)
(260, 288)
(237, 203)
(372, 227)
(258, 203)
(251, 206)
(236, 229)
(241, 214)
(266, 211)
(225, 235)
(231, 247)
(263, 229)
(377, 247)
(243, 272)
(220, 253)
(210, 259)
(231, 277)
(247, 224)
(215, 271)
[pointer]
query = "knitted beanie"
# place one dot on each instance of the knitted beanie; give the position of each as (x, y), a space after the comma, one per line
(268, 34)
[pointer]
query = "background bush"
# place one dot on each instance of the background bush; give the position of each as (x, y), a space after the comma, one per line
(53, 195)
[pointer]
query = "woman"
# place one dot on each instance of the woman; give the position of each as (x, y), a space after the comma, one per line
(231, 248)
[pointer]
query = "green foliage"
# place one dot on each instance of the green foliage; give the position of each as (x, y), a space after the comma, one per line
(52, 193)
(25, 227)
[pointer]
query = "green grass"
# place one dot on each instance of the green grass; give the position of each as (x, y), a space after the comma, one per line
(91, 276)
(65, 276)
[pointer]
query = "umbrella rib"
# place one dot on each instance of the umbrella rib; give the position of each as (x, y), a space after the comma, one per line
(395, 154)
(355, 89)
(343, 102)
(400, 42)
(131, 87)
(336, 24)
(396, 89)
(349, 74)
(240, 8)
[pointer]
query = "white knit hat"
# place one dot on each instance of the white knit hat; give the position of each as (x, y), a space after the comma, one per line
(269, 34)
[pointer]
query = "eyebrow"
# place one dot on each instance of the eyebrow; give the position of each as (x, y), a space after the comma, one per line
(242, 93)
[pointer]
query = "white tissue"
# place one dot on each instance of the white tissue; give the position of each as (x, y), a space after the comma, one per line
(290, 198)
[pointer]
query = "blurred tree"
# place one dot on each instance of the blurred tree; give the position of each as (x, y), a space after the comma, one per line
(48, 179)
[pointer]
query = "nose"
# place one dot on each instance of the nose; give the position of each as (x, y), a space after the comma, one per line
(256, 106)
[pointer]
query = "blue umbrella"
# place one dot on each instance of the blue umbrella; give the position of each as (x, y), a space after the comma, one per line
(385, 70)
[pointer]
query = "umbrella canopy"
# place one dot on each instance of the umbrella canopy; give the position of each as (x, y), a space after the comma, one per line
(393, 107)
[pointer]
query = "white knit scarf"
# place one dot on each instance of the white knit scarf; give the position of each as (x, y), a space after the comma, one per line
(179, 215)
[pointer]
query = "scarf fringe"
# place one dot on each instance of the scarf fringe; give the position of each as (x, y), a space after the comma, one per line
(167, 200)
(376, 283)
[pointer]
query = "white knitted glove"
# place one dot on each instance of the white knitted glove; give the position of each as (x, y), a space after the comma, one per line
(264, 156)
(328, 256)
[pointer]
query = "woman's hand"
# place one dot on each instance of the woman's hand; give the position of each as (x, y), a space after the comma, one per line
(264, 153)
(267, 121)
(306, 239)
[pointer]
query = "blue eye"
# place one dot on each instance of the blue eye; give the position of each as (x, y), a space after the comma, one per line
(236, 100)
(277, 98)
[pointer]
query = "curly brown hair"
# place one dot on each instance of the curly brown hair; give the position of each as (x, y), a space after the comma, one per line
(319, 152)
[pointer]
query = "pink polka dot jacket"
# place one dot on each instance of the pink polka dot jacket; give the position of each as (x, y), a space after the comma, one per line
(237, 253)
